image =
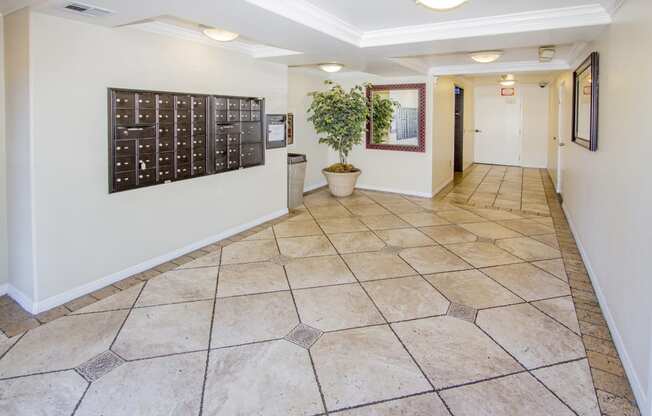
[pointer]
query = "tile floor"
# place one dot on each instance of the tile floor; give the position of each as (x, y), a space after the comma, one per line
(375, 304)
(505, 187)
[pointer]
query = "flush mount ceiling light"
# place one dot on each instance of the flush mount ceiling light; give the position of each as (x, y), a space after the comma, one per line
(220, 35)
(331, 67)
(507, 80)
(485, 57)
(441, 4)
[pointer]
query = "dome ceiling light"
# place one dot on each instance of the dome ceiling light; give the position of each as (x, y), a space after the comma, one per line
(441, 5)
(485, 57)
(331, 67)
(220, 35)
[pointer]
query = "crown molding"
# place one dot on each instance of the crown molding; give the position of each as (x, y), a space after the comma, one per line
(561, 18)
(307, 14)
(253, 50)
(502, 67)
(578, 54)
(614, 6)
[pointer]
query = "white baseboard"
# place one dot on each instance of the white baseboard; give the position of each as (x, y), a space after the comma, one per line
(314, 186)
(37, 307)
(4, 288)
(395, 191)
(639, 392)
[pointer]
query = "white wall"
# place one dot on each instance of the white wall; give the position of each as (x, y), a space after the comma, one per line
(4, 257)
(300, 83)
(608, 193)
(83, 234)
(19, 148)
(443, 133)
(404, 172)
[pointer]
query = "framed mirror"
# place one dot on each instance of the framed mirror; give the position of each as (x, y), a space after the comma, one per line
(585, 103)
(397, 118)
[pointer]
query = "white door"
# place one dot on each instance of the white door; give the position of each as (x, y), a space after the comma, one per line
(498, 123)
(561, 127)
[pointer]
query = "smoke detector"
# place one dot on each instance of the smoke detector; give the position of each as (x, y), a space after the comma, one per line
(87, 10)
(546, 53)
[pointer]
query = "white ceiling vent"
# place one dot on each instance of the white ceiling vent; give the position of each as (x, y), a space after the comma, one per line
(87, 10)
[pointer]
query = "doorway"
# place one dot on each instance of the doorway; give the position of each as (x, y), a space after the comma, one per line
(459, 130)
(498, 120)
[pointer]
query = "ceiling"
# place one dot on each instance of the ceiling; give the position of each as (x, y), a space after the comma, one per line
(383, 37)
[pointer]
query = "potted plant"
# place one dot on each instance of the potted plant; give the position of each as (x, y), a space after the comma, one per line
(341, 116)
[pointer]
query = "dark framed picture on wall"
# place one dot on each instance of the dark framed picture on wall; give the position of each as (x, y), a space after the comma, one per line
(585, 103)
(290, 129)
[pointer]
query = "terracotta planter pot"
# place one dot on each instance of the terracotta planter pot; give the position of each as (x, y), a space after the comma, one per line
(341, 184)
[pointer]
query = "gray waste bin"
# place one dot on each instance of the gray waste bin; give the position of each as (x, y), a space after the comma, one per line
(296, 176)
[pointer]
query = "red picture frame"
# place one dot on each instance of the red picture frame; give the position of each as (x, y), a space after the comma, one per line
(421, 147)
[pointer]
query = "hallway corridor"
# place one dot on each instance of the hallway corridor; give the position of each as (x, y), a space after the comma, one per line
(374, 304)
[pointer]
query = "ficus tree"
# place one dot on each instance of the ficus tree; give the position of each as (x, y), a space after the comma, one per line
(382, 114)
(340, 116)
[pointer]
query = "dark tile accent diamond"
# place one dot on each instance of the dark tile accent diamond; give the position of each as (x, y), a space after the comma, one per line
(457, 310)
(99, 366)
(303, 335)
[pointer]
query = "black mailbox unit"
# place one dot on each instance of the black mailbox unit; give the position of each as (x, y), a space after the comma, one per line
(157, 137)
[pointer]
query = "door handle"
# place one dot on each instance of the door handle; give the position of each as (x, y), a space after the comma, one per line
(562, 144)
(478, 131)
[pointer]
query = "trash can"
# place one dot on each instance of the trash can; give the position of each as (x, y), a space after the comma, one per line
(296, 176)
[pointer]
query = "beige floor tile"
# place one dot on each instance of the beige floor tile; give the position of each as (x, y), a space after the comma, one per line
(364, 365)
(44, 394)
(547, 221)
(297, 229)
(305, 246)
(168, 329)
(572, 383)
(366, 210)
(384, 222)
(403, 207)
(562, 309)
(530, 336)
(528, 282)
(459, 216)
(423, 219)
(356, 242)
(249, 251)
(527, 226)
(528, 249)
(554, 267)
(452, 351)
(427, 260)
(61, 344)
(251, 278)
(355, 199)
(122, 300)
(336, 307)
(489, 230)
(518, 394)
(167, 385)
(507, 204)
(472, 288)
(330, 212)
(405, 238)
(341, 225)
(318, 271)
(209, 260)
(449, 234)
(406, 298)
(548, 239)
(437, 205)
(422, 405)
(235, 385)
(267, 233)
(180, 286)
(386, 198)
(244, 319)
(482, 254)
(495, 214)
(373, 266)
(6, 343)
